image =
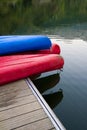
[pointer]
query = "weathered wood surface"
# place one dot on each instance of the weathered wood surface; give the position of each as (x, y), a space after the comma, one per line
(20, 110)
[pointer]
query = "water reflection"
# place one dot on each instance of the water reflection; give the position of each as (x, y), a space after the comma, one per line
(70, 32)
(20, 16)
(44, 84)
(53, 99)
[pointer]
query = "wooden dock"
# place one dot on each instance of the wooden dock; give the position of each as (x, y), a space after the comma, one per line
(21, 110)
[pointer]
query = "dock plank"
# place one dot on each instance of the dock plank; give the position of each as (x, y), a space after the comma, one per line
(13, 87)
(24, 119)
(44, 124)
(9, 104)
(20, 109)
(15, 93)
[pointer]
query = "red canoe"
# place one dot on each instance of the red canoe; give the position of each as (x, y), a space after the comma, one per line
(16, 68)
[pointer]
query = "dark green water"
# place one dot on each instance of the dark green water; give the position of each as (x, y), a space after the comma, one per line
(35, 16)
(65, 23)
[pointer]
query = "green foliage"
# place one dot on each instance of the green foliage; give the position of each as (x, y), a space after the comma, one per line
(27, 16)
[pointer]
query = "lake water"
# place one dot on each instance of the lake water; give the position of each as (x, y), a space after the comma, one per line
(66, 90)
(65, 23)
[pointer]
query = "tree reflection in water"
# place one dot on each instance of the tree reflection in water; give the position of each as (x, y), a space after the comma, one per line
(34, 16)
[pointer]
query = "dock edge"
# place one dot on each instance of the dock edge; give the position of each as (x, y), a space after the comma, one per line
(56, 122)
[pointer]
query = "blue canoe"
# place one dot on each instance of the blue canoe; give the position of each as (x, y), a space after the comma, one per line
(21, 43)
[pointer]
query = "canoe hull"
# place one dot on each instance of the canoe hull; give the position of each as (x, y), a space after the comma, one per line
(22, 67)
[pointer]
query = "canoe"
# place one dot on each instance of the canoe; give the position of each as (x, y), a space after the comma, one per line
(16, 44)
(54, 49)
(18, 67)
